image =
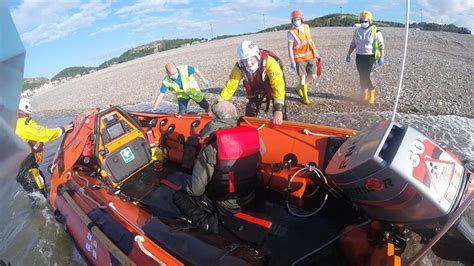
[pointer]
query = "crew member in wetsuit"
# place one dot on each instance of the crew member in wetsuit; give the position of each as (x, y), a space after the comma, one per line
(29, 176)
(224, 173)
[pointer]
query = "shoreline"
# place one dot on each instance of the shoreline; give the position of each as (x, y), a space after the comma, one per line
(438, 78)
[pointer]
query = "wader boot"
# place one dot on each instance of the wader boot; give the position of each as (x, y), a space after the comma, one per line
(299, 90)
(305, 94)
(372, 97)
(364, 95)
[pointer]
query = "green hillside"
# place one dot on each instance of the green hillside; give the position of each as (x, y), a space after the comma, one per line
(331, 20)
(72, 71)
(147, 49)
(348, 20)
(33, 83)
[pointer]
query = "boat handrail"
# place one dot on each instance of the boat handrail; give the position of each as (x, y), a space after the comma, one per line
(83, 193)
(140, 239)
(136, 227)
(308, 132)
(97, 232)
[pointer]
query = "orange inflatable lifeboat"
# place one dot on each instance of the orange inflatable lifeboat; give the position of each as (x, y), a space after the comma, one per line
(325, 195)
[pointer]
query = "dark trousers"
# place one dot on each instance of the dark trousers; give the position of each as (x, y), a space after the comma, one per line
(253, 108)
(200, 210)
(183, 105)
(364, 65)
(25, 178)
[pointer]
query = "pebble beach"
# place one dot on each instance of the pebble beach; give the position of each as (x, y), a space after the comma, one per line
(439, 76)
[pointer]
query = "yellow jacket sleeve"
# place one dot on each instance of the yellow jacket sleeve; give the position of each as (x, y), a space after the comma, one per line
(231, 85)
(34, 132)
(277, 83)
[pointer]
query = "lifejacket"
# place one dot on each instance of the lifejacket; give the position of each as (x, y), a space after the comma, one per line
(303, 47)
(189, 83)
(258, 82)
(238, 159)
(37, 147)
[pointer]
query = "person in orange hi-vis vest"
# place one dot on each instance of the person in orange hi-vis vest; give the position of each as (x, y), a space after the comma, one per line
(303, 54)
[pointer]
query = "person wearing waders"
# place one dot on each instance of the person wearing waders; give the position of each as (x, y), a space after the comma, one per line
(303, 54)
(29, 176)
(369, 46)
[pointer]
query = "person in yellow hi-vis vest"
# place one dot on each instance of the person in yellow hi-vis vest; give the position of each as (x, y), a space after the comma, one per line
(181, 82)
(29, 176)
(303, 54)
(369, 46)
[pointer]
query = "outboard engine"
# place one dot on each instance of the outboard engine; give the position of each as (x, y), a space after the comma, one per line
(397, 175)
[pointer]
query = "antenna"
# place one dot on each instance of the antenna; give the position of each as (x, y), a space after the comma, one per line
(340, 10)
(407, 24)
(264, 22)
(212, 34)
(421, 18)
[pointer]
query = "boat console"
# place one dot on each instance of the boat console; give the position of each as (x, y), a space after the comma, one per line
(122, 147)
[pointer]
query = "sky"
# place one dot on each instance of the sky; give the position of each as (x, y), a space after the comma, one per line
(65, 33)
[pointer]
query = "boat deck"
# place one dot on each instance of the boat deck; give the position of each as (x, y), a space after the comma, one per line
(288, 238)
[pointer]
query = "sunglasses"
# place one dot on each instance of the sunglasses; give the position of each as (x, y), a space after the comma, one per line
(363, 21)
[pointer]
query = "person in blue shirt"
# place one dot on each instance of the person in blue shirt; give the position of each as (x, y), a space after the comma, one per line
(181, 82)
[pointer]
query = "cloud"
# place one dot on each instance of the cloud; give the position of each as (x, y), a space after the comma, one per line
(32, 13)
(243, 7)
(143, 17)
(320, 2)
(117, 26)
(45, 21)
(185, 27)
(458, 12)
(149, 6)
(385, 6)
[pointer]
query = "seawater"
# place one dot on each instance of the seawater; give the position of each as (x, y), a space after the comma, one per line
(30, 235)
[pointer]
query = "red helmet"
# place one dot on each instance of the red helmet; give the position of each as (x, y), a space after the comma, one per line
(296, 14)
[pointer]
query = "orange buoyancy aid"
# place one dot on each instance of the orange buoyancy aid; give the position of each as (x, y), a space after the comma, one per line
(238, 159)
(303, 46)
(259, 80)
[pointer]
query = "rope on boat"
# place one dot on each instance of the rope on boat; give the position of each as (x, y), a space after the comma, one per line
(328, 243)
(407, 24)
(308, 132)
(319, 173)
(140, 240)
(250, 124)
(188, 117)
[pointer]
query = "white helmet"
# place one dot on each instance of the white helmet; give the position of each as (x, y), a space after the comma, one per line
(25, 105)
(247, 49)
